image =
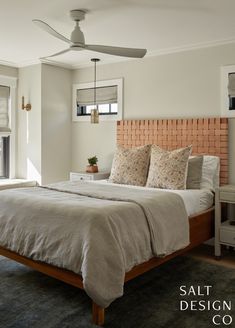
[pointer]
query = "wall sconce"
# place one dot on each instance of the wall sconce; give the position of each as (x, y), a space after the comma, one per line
(27, 106)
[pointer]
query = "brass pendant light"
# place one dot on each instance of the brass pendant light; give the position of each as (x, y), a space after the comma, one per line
(95, 111)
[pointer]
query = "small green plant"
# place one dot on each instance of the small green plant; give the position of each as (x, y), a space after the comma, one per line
(92, 160)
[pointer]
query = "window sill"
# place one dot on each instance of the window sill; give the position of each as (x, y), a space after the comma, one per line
(102, 118)
(16, 183)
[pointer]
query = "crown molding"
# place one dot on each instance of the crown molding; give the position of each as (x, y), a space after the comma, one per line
(190, 47)
(166, 51)
(26, 63)
(44, 61)
(54, 63)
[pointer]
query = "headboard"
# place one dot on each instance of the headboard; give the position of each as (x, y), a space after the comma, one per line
(207, 135)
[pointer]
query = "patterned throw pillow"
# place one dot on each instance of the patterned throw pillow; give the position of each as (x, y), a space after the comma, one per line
(130, 166)
(168, 169)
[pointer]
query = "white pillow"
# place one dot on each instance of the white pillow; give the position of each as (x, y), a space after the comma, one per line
(210, 172)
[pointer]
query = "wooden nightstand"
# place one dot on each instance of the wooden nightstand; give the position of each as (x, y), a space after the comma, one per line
(78, 176)
(224, 232)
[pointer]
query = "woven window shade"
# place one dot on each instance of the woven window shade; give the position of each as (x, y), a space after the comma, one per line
(231, 84)
(4, 109)
(104, 95)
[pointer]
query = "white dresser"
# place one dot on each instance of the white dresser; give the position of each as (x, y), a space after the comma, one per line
(78, 176)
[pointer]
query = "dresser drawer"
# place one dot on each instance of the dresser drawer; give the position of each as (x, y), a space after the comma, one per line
(227, 236)
(227, 196)
(79, 177)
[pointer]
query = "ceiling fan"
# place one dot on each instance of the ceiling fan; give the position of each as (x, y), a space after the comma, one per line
(77, 40)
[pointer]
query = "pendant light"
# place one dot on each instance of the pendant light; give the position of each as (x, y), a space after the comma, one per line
(95, 111)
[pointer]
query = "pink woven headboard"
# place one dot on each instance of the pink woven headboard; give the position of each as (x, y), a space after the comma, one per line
(207, 135)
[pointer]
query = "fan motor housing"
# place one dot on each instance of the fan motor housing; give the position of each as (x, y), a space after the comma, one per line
(77, 36)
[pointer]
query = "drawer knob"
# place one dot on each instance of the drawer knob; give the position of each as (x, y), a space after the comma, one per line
(81, 178)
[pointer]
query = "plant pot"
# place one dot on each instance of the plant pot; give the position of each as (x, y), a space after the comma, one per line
(92, 168)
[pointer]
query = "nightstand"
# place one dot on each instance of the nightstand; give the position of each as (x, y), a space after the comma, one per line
(224, 232)
(78, 176)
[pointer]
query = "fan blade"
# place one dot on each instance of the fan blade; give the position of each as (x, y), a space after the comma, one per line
(57, 54)
(45, 27)
(117, 51)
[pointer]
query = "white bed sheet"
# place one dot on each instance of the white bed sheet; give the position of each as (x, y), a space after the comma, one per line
(195, 200)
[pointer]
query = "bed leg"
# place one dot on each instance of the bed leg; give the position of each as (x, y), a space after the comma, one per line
(97, 314)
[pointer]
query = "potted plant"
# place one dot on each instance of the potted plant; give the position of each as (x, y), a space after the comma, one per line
(92, 167)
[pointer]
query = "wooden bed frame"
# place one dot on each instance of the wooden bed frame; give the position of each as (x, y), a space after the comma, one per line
(168, 134)
(201, 229)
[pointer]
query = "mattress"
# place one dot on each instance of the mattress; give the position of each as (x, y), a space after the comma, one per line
(195, 200)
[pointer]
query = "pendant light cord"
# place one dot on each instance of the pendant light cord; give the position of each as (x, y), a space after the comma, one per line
(95, 86)
(95, 60)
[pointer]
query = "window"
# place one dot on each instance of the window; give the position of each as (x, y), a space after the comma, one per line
(228, 91)
(104, 109)
(231, 103)
(4, 108)
(231, 90)
(4, 129)
(4, 157)
(108, 100)
(7, 126)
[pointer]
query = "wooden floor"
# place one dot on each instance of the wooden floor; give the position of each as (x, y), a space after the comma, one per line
(206, 253)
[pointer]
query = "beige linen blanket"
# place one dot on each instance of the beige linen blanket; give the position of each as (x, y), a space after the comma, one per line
(98, 231)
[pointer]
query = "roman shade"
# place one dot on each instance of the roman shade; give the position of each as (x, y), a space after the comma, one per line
(104, 95)
(231, 84)
(4, 109)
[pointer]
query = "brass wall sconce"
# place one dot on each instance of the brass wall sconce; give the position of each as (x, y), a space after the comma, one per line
(27, 107)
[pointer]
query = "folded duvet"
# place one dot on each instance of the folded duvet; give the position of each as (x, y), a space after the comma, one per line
(98, 231)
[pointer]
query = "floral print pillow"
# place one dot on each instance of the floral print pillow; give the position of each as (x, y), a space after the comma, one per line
(168, 169)
(130, 165)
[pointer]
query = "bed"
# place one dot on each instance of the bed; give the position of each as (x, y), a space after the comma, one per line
(208, 136)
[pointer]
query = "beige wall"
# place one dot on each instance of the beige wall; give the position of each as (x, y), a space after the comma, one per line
(29, 124)
(44, 133)
(93, 139)
(185, 84)
(56, 123)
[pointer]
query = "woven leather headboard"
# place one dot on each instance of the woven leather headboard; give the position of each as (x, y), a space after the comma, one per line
(207, 135)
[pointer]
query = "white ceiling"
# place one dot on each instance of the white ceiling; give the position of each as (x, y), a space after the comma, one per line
(160, 26)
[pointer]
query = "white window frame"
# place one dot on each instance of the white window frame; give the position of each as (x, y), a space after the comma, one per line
(11, 82)
(225, 112)
(107, 83)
